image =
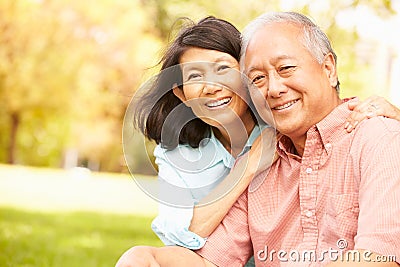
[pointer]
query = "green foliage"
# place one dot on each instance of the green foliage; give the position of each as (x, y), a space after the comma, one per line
(69, 239)
(167, 12)
(68, 68)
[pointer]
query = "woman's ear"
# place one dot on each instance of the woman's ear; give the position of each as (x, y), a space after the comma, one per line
(330, 69)
(179, 94)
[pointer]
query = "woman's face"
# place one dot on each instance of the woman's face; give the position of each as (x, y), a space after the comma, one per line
(213, 88)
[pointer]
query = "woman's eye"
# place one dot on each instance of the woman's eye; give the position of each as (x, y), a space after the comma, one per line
(193, 76)
(222, 67)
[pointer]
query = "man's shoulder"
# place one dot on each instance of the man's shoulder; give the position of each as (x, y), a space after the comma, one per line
(378, 126)
(376, 131)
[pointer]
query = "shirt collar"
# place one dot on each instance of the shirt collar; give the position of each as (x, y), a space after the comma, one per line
(227, 157)
(222, 153)
(285, 148)
(253, 136)
(331, 128)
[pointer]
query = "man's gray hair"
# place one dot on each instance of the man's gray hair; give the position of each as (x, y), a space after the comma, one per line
(314, 39)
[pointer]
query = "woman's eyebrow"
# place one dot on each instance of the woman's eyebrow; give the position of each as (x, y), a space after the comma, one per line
(190, 66)
(222, 58)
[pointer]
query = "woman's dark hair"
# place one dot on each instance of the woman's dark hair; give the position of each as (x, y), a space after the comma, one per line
(156, 104)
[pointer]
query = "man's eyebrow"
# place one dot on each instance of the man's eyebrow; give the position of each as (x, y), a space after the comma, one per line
(251, 69)
(281, 57)
(273, 61)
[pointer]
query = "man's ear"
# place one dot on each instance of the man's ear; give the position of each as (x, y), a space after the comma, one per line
(179, 94)
(330, 69)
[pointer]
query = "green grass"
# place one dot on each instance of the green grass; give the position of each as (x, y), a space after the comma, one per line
(69, 239)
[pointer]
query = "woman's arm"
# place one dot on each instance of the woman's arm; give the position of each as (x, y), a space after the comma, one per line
(208, 214)
(371, 107)
(176, 202)
(158, 257)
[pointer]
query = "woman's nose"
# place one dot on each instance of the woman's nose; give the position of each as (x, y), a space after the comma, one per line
(211, 87)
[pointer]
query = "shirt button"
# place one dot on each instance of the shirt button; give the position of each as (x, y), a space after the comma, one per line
(308, 170)
(328, 146)
(309, 213)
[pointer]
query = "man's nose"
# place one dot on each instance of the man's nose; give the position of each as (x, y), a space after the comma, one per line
(276, 86)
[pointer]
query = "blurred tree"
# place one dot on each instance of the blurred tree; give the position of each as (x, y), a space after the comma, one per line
(166, 13)
(355, 75)
(31, 70)
(68, 68)
(67, 71)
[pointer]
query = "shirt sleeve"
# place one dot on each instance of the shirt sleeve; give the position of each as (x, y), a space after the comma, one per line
(175, 208)
(379, 195)
(171, 226)
(230, 243)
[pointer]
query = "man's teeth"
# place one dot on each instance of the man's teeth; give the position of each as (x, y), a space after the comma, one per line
(218, 103)
(286, 105)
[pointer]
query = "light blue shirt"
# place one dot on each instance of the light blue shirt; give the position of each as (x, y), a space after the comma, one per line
(185, 176)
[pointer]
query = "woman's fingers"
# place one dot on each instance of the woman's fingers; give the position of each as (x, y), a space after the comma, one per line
(371, 107)
(361, 111)
(352, 105)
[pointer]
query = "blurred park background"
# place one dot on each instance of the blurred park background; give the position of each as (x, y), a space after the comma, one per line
(68, 70)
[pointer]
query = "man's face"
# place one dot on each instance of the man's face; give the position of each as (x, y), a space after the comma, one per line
(298, 89)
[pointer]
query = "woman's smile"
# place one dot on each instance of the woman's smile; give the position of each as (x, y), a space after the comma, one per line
(219, 103)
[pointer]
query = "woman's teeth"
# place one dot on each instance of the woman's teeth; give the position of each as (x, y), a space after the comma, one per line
(286, 105)
(218, 103)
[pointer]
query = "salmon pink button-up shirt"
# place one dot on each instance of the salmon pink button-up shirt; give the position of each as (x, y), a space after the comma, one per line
(342, 194)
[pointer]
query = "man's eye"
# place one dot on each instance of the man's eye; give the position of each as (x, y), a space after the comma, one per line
(258, 79)
(286, 68)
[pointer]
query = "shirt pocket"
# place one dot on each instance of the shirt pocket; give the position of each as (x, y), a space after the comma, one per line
(340, 221)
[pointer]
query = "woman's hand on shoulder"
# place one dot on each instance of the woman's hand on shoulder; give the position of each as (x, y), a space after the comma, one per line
(371, 107)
